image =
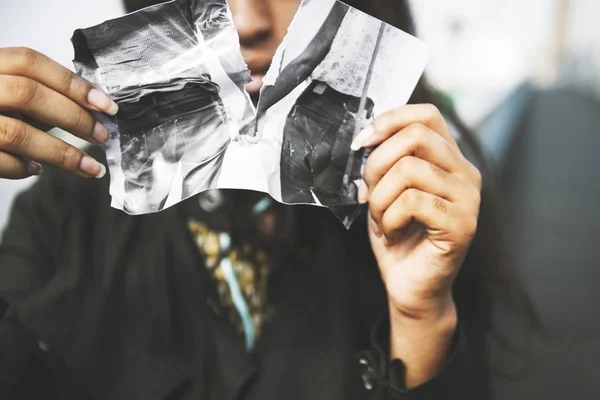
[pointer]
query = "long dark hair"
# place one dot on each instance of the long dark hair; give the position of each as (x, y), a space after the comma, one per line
(487, 279)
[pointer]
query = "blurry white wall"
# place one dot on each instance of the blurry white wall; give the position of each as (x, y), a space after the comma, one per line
(581, 48)
(583, 32)
(46, 26)
(480, 50)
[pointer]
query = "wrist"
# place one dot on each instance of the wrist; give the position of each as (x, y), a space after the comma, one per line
(433, 316)
(422, 340)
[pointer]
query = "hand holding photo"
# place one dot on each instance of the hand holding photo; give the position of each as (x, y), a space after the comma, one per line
(186, 124)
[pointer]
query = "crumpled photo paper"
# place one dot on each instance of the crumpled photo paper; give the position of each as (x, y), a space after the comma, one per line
(186, 124)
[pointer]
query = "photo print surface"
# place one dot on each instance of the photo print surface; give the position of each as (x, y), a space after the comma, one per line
(186, 124)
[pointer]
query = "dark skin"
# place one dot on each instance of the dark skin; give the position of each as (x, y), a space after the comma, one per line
(423, 194)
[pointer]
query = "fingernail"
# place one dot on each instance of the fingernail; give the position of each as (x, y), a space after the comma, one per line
(363, 192)
(100, 133)
(362, 138)
(34, 168)
(102, 102)
(91, 167)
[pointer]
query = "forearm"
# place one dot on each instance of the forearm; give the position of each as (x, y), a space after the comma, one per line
(422, 343)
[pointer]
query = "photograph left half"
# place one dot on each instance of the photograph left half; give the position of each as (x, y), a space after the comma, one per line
(177, 74)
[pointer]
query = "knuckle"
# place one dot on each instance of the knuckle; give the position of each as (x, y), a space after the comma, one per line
(404, 164)
(477, 197)
(12, 134)
(376, 204)
(68, 157)
(25, 58)
(417, 131)
(81, 121)
(20, 91)
(417, 136)
(431, 111)
(388, 222)
(374, 169)
(436, 169)
(12, 169)
(477, 177)
(65, 81)
(470, 223)
(406, 167)
(410, 198)
(77, 118)
(439, 204)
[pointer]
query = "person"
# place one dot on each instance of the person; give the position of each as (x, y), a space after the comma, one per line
(234, 297)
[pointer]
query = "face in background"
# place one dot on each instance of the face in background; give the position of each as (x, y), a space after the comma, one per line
(261, 25)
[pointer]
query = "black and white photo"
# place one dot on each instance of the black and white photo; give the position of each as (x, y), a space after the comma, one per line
(186, 124)
(335, 71)
(177, 74)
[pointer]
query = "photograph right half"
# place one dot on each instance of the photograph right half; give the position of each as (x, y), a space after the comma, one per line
(336, 70)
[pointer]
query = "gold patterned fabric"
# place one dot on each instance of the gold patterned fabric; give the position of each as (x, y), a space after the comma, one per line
(250, 266)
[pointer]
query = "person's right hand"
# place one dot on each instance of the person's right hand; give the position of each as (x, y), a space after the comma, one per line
(37, 94)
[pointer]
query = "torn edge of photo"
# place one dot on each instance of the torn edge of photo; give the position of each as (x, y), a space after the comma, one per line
(186, 123)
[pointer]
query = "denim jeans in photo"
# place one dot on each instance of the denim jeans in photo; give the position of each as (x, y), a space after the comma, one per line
(316, 147)
(163, 130)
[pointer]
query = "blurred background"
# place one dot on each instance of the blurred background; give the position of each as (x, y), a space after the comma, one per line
(526, 76)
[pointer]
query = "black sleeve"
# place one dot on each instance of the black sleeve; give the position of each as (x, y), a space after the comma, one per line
(30, 248)
(27, 254)
(30, 239)
(384, 379)
(23, 374)
(32, 243)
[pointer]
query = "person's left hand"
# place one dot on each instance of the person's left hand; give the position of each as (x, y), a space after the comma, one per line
(424, 199)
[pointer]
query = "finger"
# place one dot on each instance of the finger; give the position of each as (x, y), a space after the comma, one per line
(387, 124)
(445, 221)
(49, 107)
(21, 61)
(415, 140)
(411, 172)
(12, 167)
(23, 140)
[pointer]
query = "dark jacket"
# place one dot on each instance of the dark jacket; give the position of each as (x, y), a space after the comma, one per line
(109, 306)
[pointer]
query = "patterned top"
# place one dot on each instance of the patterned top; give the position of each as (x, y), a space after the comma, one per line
(240, 274)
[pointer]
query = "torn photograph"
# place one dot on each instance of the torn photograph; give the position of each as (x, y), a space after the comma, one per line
(178, 76)
(186, 123)
(327, 82)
